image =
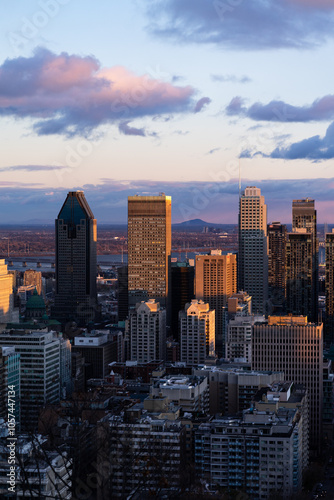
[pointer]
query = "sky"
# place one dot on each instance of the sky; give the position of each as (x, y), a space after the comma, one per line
(178, 96)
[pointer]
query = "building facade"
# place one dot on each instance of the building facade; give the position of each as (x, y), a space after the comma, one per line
(277, 236)
(329, 283)
(6, 294)
(149, 248)
(197, 333)
(147, 332)
(76, 235)
(215, 282)
(253, 248)
(294, 346)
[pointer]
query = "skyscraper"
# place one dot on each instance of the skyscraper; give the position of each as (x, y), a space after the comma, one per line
(253, 248)
(277, 236)
(182, 289)
(329, 323)
(149, 248)
(76, 236)
(302, 261)
(6, 294)
(215, 282)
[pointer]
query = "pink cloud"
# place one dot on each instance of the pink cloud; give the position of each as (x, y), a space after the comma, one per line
(69, 94)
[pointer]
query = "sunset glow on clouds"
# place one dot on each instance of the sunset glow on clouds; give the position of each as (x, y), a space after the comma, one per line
(167, 95)
(71, 95)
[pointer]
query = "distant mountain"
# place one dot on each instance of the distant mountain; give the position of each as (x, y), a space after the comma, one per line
(197, 222)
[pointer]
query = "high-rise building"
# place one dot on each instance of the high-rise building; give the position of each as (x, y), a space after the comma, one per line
(197, 332)
(294, 346)
(239, 337)
(122, 297)
(39, 371)
(147, 332)
(277, 236)
(215, 282)
(76, 236)
(6, 294)
(253, 248)
(10, 381)
(149, 248)
(300, 298)
(182, 290)
(329, 323)
(304, 219)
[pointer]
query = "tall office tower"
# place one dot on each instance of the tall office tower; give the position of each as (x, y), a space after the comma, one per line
(32, 277)
(300, 298)
(253, 248)
(197, 332)
(149, 248)
(39, 371)
(329, 323)
(10, 381)
(239, 337)
(76, 234)
(277, 236)
(182, 291)
(294, 346)
(148, 332)
(215, 282)
(304, 217)
(6, 294)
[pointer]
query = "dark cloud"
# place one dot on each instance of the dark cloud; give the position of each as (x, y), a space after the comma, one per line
(215, 201)
(201, 103)
(279, 111)
(248, 25)
(230, 78)
(125, 129)
(72, 95)
(314, 148)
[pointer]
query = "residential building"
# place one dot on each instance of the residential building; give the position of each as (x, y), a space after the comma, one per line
(189, 392)
(253, 248)
(147, 332)
(197, 332)
(239, 337)
(215, 282)
(259, 453)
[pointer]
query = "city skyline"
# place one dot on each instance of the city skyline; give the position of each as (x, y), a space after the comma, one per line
(192, 91)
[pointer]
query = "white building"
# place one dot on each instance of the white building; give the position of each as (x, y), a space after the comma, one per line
(189, 392)
(239, 337)
(147, 332)
(197, 332)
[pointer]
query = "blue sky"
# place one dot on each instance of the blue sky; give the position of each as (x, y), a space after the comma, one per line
(146, 96)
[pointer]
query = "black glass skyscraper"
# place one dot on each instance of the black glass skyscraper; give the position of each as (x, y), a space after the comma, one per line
(76, 236)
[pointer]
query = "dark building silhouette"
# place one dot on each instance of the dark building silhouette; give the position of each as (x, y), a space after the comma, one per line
(329, 321)
(123, 303)
(76, 235)
(277, 236)
(302, 261)
(182, 278)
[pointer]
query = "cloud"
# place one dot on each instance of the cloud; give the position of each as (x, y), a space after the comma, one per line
(230, 78)
(210, 201)
(214, 150)
(313, 148)
(279, 111)
(72, 95)
(201, 103)
(31, 168)
(250, 25)
(126, 130)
